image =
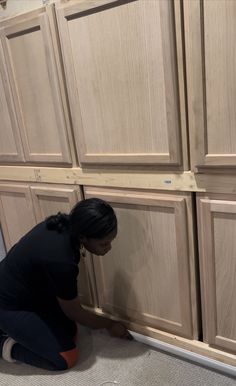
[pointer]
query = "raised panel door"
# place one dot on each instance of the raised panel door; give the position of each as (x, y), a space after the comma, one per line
(148, 276)
(16, 211)
(10, 142)
(125, 80)
(217, 235)
(30, 51)
(210, 63)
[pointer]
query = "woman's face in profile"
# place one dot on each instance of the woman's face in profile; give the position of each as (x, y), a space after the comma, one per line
(99, 247)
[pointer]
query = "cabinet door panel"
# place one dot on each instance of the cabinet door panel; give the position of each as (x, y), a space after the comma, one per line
(29, 53)
(146, 275)
(17, 214)
(122, 77)
(210, 51)
(217, 234)
(49, 201)
(10, 143)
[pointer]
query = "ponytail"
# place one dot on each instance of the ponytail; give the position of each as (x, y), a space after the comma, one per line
(58, 222)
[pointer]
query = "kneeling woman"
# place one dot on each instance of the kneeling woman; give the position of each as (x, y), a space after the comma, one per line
(39, 306)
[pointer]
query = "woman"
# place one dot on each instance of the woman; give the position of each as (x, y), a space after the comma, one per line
(39, 306)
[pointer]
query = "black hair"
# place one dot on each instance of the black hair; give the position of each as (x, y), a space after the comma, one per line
(92, 218)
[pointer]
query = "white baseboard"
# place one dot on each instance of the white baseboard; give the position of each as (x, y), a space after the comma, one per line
(202, 360)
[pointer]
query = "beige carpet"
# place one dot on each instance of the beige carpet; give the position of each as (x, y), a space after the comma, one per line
(103, 358)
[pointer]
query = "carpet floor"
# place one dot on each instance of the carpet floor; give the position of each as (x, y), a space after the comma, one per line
(110, 361)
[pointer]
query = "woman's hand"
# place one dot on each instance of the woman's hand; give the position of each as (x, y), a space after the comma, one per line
(119, 331)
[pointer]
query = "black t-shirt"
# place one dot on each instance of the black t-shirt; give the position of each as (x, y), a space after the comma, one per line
(39, 268)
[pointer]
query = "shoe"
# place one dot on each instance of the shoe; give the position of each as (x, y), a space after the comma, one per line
(3, 338)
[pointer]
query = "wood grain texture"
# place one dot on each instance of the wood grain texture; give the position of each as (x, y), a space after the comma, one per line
(50, 200)
(123, 85)
(217, 233)
(194, 346)
(145, 277)
(29, 54)
(16, 212)
(210, 56)
(10, 142)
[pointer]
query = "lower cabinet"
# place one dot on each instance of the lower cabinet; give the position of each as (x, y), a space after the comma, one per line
(22, 206)
(217, 249)
(17, 215)
(50, 200)
(149, 275)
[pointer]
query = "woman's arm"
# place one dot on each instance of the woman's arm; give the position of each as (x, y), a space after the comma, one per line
(76, 312)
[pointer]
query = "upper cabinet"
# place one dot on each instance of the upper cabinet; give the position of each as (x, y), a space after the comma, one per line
(124, 71)
(10, 144)
(210, 31)
(29, 62)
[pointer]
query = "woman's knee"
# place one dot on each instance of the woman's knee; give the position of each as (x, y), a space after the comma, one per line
(70, 358)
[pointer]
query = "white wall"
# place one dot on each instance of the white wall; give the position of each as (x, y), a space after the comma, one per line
(16, 7)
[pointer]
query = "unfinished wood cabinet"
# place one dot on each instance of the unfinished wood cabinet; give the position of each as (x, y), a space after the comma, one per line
(210, 62)
(49, 200)
(124, 71)
(10, 142)
(217, 240)
(149, 275)
(16, 212)
(31, 58)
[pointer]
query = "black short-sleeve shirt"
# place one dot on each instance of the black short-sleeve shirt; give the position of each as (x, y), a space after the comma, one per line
(39, 268)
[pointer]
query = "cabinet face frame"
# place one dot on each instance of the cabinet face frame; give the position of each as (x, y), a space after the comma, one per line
(41, 20)
(177, 137)
(207, 206)
(185, 257)
(197, 91)
(18, 156)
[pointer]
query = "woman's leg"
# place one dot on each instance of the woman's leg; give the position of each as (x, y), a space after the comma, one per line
(41, 343)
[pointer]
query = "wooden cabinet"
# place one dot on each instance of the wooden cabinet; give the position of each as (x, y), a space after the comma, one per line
(10, 142)
(51, 199)
(124, 71)
(149, 275)
(210, 61)
(30, 50)
(16, 211)
(22, 206)
(217, 239)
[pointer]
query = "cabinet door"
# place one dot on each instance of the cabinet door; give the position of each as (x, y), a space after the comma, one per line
(125, 80)
(16, 211)
(217, 235)
(148, 276)
(30, 56)
(10, 142)
(210, 31)
(50, 200)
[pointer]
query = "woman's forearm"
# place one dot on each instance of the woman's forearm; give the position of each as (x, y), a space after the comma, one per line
(76, 312)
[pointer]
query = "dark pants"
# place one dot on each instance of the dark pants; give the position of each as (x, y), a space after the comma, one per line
(45, 338)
